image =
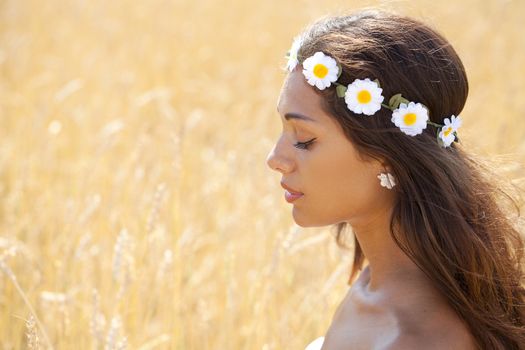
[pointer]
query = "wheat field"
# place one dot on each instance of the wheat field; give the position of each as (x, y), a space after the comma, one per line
(137, 210)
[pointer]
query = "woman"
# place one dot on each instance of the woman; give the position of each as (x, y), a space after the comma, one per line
(370, 112)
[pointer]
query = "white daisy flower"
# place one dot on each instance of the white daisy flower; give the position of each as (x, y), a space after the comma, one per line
(320, 70)
(411, 118)
(364, 97)
(447, 131)
(293, 60)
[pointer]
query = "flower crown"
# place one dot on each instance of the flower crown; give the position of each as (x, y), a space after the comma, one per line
(365, 97)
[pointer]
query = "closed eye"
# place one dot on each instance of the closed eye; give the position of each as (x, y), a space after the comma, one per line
(304, 145)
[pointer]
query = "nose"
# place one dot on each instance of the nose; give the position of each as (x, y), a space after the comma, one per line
(278, 162)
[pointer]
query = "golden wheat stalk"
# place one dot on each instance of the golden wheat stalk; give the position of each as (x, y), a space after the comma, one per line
(12, 277)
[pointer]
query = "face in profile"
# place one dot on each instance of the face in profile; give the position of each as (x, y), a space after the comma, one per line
(316, 159)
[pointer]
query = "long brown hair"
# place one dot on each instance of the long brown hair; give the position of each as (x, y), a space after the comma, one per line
(449, 216)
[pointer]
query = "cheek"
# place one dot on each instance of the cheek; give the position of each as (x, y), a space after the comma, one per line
(344, 183)
(349, 181)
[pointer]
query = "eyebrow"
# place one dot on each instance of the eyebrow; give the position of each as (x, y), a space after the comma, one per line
(298, 116)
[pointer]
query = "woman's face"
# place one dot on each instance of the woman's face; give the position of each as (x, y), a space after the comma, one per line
(337, 186)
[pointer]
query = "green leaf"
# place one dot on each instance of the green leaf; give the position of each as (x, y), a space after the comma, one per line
(341, 90)
(439, 140)
(340, 71)
(396, 100)
(377, 82)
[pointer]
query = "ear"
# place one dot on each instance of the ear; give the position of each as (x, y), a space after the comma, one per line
(385, 167)
(380, 165)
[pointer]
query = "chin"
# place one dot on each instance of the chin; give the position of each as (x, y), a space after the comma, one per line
(309, 221)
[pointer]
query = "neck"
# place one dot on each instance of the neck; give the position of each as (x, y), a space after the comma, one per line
(388, 265)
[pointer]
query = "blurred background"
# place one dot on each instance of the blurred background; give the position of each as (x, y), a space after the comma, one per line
(137, 210)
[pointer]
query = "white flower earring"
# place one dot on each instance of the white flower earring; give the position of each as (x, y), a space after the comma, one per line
(387, 180)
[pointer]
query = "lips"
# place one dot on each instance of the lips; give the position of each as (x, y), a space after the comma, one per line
(290, 194)
(291, 190)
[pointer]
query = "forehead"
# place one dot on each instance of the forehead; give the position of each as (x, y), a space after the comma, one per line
(298, 97)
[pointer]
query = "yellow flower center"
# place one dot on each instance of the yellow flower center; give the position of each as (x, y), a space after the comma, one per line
(410, 118)
(449, 129)
(364, 96)
(320, 70)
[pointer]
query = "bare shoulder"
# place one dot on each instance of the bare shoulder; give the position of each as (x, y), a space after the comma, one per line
(416, 343)
(450, 335)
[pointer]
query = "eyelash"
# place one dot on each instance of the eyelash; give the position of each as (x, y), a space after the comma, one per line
(304, 145)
